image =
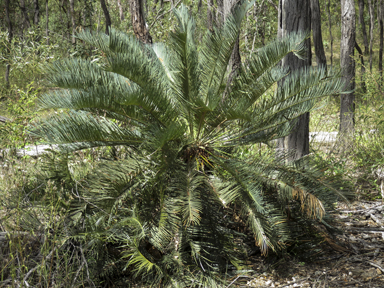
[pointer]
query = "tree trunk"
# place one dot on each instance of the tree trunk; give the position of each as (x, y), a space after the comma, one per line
(371, 26)
(347, 64)
(121, 12)
(235, 62)
(10, 36)
(294, 17)
(210, 15)
(108, 22)
(316, 32)
(220, 12)
(380, 12)
(363, 29)
(330, 28)
(199, 5)
(26, 23)
(73, 23)
(47, 21)
(36, 15)
(87, 13)
(361, 57)
(138, 21)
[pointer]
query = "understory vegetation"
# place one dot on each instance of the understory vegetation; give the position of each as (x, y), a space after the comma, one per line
(161, 173)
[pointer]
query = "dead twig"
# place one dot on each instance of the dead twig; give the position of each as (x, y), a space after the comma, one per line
(375, 265)
(36, 267)
(161, 15)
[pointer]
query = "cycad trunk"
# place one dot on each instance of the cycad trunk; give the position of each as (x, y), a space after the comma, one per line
(347, 64)
(138, 21)
(294, 16)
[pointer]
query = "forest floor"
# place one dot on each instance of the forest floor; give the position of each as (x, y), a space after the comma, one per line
(353, 259)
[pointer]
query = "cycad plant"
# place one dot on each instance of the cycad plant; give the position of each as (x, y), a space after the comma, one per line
(178, 201)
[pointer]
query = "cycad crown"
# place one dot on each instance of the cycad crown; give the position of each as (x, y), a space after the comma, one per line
(172, 202)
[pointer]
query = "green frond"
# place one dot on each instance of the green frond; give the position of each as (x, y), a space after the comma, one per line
(79, 126)
(141, 263)
(216, 50)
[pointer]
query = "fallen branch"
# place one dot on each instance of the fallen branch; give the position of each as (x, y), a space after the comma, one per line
(375, 265)
(366, 230)
(376, 207)
(4, 119)
(377, 220)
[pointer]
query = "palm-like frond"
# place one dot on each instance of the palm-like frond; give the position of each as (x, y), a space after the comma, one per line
(170, 207)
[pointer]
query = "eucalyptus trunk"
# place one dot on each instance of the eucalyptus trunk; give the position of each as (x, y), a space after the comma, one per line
(295, 17)
(10, 36)
(108, 22)
(121, 11)
(380, 14)
(371, 27)
(316, 32)
(220, 12)
(330, 28)
(362, 24)
(138, 21)
(210, 15)
(361, 57)
(347, 64)
(47, 21)
(73, 23)
(235, 62)
(26, 23)
(36, 15)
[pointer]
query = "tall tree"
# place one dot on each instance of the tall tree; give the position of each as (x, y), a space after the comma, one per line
(330, 28)
(121, 11)
(26, 23)
(371, 27)
(235, 62)
(380, 16)
(210, 15)
(220, 12)
(317, 36)
(36, 13)
(47, 21)
(108, 22)
(361, 57)
(138, 21)
(294, 16)
(10, 36)
(347, 64)
(73, 23)
(362, 24)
